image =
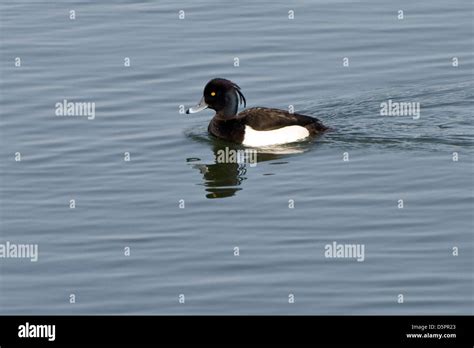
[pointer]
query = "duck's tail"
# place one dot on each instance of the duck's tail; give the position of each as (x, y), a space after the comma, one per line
(316, 127)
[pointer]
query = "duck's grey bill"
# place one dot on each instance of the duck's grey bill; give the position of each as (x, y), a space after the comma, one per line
(201, 106)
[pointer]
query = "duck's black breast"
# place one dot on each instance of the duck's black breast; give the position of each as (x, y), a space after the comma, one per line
(265, 119)
(232, 129)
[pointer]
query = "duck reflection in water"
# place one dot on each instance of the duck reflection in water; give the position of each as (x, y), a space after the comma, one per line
(227, 174)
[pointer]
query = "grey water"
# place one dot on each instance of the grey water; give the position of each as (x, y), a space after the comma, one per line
(168, 222)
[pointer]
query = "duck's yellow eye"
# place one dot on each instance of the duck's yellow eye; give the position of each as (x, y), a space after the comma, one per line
(213, 94)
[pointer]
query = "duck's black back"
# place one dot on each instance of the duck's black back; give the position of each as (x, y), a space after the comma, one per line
(265, 119)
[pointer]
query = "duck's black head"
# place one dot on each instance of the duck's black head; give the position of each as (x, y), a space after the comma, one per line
(221, 95)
